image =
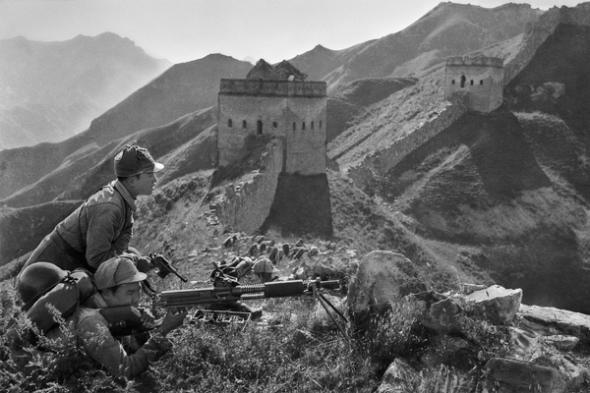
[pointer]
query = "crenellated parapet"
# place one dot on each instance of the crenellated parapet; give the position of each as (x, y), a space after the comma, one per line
(480, 78)
(275, 101)
(272, 88)
(482, 61)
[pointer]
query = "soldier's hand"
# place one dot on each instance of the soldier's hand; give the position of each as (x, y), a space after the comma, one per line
(173, 319)
(144, 264)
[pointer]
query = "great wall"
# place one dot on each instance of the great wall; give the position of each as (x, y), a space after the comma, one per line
(278, 101)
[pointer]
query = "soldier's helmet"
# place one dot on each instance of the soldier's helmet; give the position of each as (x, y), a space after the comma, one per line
(36, 280)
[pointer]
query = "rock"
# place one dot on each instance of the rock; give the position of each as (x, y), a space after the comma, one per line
(313, 251)
(395, 379)
(383, 278)
(518, 376)
(496, 304)
(563, 321)
(444, 315)
(323, 271)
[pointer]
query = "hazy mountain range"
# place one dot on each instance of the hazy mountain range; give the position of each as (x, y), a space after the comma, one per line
(50, 91)
(499, 197)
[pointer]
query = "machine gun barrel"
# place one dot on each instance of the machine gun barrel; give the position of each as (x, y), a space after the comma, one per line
(225, 292)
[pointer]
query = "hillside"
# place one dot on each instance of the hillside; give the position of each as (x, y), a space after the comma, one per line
(501, 195)
(49, 91)
(447, 30)
(182, 89)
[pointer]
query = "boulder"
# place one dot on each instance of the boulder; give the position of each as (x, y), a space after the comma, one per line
(444, 315)
(383, 278)
(396, 377)
(509, 376)
(495, 304)
(562, 321)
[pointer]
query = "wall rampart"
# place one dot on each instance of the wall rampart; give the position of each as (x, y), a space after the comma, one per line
(245, 206)
(382, 162)
(252, 87)
(300, 121)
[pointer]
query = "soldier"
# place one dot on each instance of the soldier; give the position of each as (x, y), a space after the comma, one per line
(102, 227)
(119, 284)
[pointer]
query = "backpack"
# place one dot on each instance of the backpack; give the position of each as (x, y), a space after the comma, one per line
(66, 297)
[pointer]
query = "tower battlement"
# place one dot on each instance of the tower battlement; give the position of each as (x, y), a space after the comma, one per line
(481, 78)
(253, 87)
(483, 61)
(277, 101)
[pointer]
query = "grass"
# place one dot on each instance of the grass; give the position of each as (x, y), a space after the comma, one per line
(294, 349)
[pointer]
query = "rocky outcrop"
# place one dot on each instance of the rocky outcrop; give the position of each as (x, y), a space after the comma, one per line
(469, 339)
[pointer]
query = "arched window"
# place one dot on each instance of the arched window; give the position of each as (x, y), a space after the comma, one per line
(294, 126)
(320, 124)
(453, 82)
(463, 79)
(259, 127)
(230, 124)
(274, 124)
(312, 125)
(472, 82)
(244, 124)
(481, 82)
(303, 125)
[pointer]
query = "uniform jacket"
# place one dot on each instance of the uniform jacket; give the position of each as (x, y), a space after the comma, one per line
(100, 345)
(97, 230)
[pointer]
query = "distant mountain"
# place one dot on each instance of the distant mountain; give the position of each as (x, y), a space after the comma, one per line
(50, 91)
(447, 30)
(182, 89)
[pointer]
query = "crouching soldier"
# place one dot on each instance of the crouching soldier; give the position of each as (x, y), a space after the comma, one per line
(118, 283)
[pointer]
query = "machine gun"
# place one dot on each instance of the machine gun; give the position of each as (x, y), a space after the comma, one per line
(227, 290)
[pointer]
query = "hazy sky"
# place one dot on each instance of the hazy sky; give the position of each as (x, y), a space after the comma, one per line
(185, 30)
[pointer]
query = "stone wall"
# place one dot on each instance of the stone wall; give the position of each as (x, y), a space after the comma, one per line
(245, 206)
(388, 158)
(482, 77)
(301, 121)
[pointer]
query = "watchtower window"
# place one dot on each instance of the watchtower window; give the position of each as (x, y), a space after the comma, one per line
(312, 125)
(453, 82)
(472, 82)
(303, 126)
(274, 124)
(244, 124)
(230, 124)
(320, 124)
(463, 79)
(259, 127)
(481, 82)
(294, 126)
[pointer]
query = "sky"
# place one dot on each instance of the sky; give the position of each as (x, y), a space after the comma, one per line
(186, 30)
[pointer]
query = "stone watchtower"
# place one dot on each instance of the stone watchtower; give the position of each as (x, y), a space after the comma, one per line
(274, 100)
(482, 78)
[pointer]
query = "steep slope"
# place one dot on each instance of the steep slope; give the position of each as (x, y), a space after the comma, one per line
(52, 90)
(351, 100)
(181, 90)
(504, 196)
(449, 29)
(79, 175)
(40, 207)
